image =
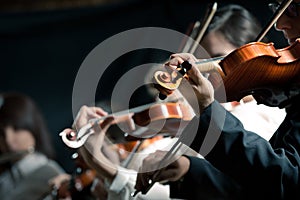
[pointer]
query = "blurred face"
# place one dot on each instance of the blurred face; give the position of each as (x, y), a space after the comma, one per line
(18, 140)
(290, 25)
(216, 45)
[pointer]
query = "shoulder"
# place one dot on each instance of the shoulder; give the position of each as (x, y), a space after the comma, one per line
(35, 161)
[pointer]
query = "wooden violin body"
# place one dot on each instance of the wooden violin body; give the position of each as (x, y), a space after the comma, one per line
(78, 187)
(258, 65)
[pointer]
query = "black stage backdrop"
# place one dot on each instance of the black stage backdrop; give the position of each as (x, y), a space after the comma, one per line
(41, 51)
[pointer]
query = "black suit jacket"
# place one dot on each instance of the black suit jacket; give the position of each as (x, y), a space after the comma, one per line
(240, 164)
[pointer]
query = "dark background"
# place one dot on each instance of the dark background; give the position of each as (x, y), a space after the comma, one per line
(42, 47)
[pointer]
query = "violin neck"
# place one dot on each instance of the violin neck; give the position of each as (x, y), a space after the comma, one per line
(209, 65)
(210, 60)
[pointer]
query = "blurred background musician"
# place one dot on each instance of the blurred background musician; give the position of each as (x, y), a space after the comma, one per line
(30, 160)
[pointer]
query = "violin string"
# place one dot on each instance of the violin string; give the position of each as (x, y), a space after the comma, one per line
(88, 132)
(209, 60)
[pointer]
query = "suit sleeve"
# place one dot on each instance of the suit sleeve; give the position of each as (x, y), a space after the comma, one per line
(248, 159)
(204, 181)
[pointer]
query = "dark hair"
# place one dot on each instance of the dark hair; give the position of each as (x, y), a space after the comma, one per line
(20, 112)
(236, 23)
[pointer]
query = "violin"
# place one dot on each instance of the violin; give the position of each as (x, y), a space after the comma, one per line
(84, 176)
(258, 66)
(248, 70)
(147, 121)
(81, 181)
(141, 122)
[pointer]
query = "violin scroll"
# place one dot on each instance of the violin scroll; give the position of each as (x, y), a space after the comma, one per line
(171, 81)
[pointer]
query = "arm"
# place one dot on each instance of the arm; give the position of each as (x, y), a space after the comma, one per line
(247, 157)
(204, 181)
(189, 178)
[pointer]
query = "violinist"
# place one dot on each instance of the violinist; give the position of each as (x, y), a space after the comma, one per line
(28, 160)
(254, 167)
(234, 26)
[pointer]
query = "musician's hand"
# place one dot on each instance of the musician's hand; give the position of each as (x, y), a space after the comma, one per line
(85, 114)
(202, 87)
(61, 184)
(172, 172)
(91, 149)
